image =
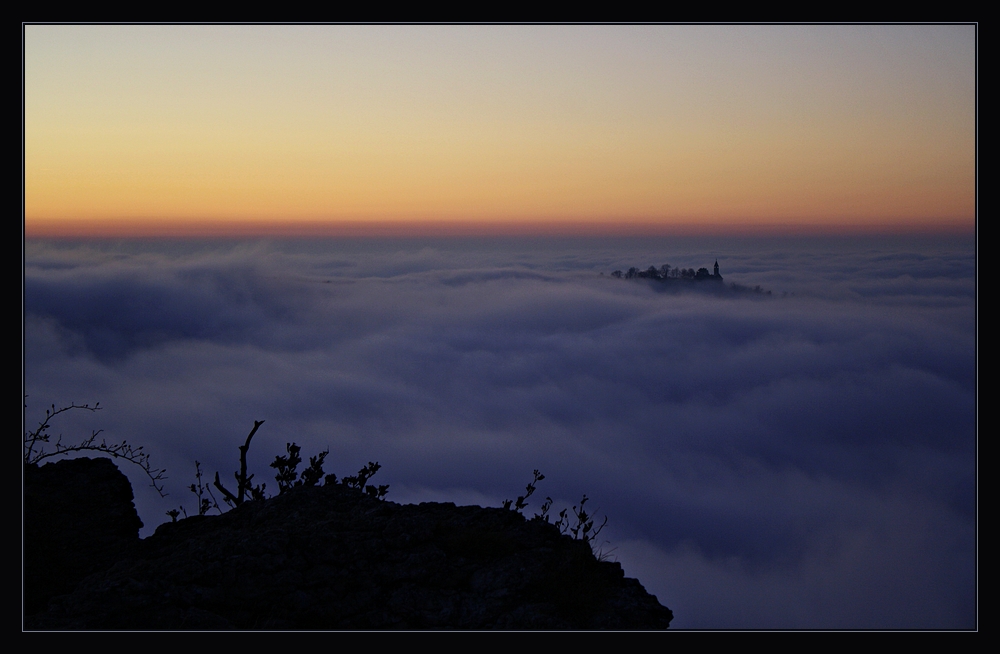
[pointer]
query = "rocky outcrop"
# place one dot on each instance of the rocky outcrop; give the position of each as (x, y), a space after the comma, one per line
(333, 558)
(78, 519)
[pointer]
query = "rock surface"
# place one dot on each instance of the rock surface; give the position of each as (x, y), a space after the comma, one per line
(78, 519)
(333, 558)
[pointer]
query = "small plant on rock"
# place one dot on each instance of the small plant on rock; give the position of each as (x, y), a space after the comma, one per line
(287, 476)
(312, 475)
(521, 502)
(286, 465)
(201, 490)
(206, 500)
(360, 481)
(580, 529)
(583, 529)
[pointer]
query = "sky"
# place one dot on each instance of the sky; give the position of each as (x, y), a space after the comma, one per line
(140, 130)
(395, 243)
(800, 460)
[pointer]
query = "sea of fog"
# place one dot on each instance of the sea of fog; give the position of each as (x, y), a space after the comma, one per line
(804, 459)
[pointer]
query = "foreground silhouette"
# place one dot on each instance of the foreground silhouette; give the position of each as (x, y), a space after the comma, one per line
(313, 557)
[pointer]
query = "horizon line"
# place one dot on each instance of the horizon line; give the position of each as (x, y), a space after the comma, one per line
(118, 229)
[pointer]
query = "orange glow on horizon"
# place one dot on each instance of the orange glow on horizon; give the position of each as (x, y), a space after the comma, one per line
(56, 229)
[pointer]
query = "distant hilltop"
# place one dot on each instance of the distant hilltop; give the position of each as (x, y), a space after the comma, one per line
(672, 277)
(668, 272)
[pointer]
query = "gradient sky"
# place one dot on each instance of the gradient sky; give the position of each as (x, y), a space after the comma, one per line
(185, 129)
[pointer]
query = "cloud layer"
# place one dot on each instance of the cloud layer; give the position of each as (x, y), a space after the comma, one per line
(803, 460)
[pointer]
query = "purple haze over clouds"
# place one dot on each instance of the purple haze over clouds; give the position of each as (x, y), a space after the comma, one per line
(803, 460)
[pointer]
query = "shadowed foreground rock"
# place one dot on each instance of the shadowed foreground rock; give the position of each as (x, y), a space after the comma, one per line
(332, 558)
(78, 519)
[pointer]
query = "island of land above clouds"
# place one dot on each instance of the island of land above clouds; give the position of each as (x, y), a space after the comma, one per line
(675, 279)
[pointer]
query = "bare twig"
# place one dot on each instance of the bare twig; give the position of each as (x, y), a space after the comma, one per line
(34, 448)
(200, 490)
(242, 480)
(41, 435)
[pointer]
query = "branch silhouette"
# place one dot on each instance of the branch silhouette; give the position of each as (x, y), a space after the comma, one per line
(34, 446)
(242, 480)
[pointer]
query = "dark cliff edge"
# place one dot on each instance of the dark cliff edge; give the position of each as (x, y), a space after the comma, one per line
(325, 557)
